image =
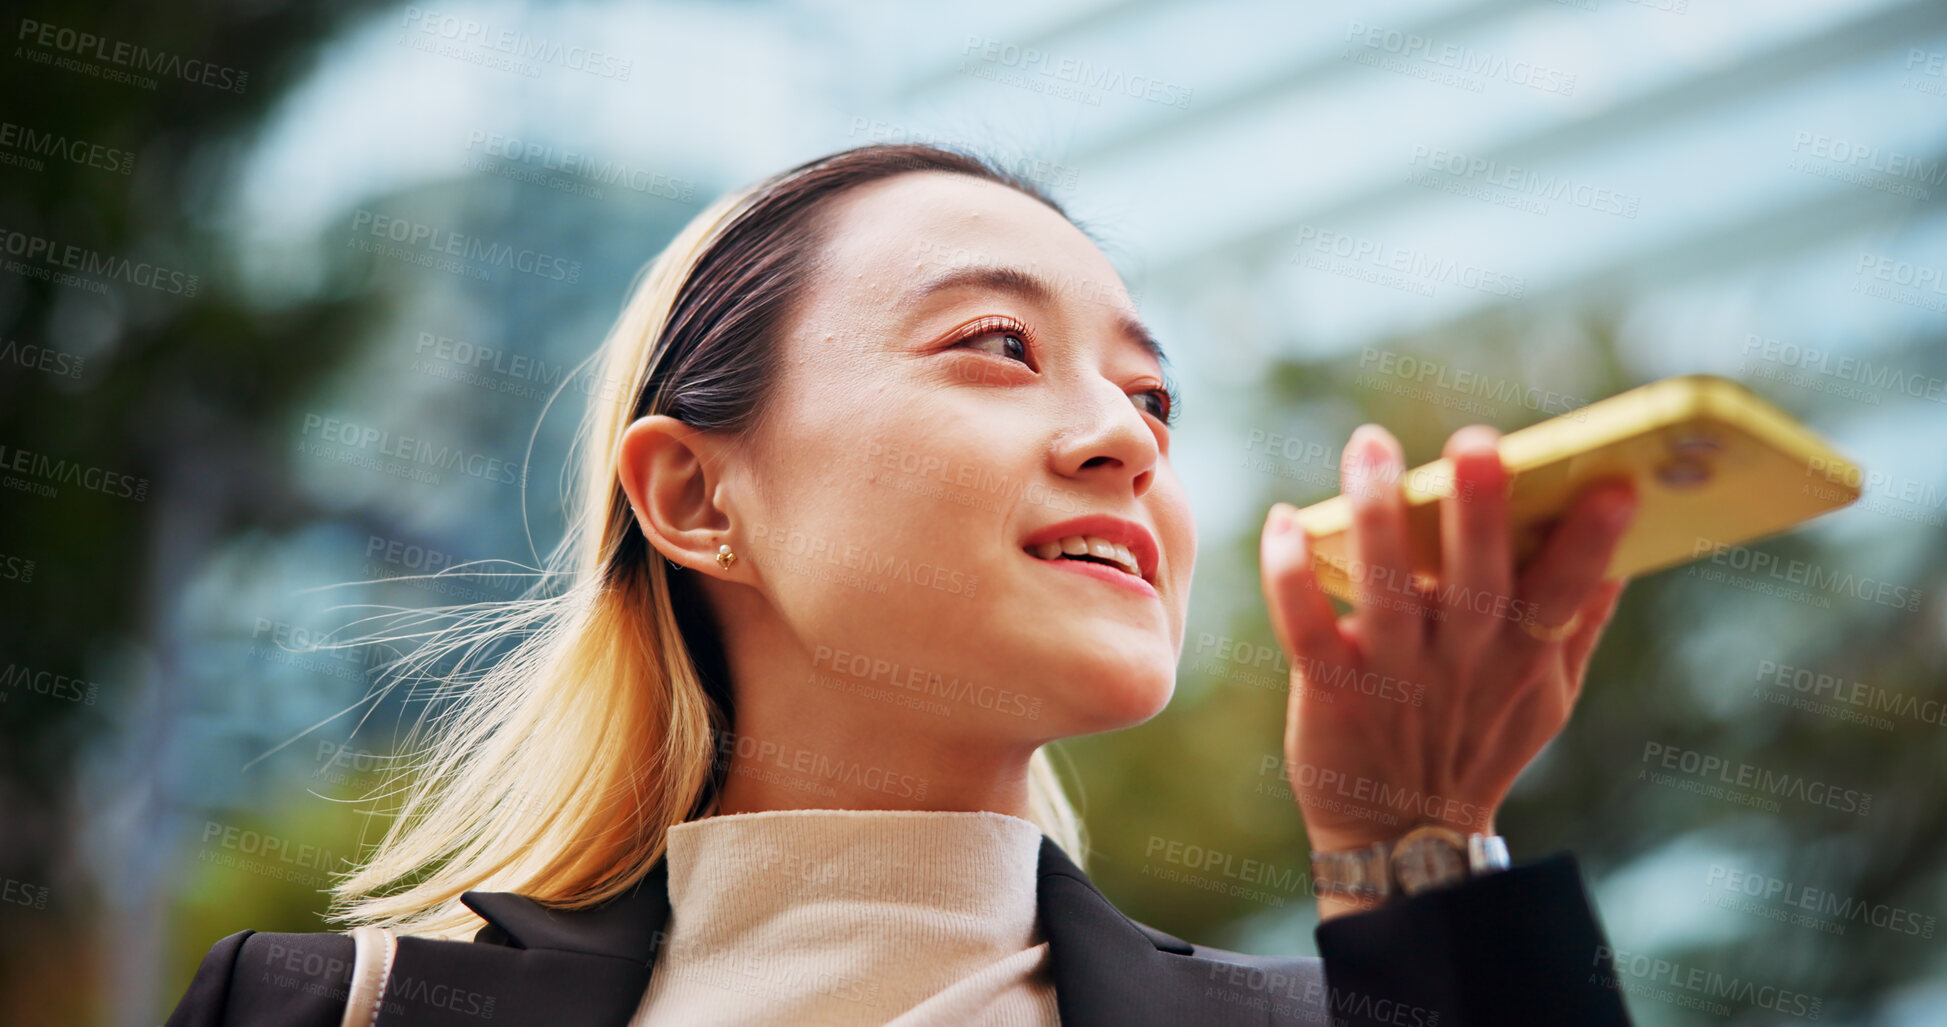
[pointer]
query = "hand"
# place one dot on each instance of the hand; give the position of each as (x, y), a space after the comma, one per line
(1423, 705)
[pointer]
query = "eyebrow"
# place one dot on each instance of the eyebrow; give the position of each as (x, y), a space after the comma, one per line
(1034, 288)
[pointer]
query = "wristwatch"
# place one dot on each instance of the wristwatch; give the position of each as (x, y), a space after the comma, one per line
(1426, 857)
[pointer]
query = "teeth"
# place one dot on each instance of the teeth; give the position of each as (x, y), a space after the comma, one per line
(1089, 545)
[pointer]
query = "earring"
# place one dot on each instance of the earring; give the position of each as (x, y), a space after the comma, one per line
(725, 557)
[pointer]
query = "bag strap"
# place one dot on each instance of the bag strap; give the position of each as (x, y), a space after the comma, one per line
(375, 948)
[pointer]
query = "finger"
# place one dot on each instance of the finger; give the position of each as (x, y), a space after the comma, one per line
(1556, 583)
(1596, 614)
(1474, 539)
(1302, 616)
(1388, 612)
(1530, 719)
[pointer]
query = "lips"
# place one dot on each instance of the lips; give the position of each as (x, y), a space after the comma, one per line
(1091, 548)
(1101, 539)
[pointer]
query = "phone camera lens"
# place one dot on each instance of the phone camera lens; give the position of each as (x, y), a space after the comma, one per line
(1696, 443)
(1683, 472)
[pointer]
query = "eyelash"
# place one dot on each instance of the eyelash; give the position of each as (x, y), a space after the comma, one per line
(1000, 324)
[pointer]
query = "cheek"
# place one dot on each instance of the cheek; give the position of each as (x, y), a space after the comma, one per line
(878, 525)
(1176, 532)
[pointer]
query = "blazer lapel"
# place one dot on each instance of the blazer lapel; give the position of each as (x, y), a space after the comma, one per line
(1111, 971)
(534, 964)
(592, 966)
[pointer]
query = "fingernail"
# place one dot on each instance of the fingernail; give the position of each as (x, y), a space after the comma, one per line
(1355, 450)
(1283, 518)
(1622, 509)
(1364, 456)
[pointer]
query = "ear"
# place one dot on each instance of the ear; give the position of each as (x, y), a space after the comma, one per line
(670, 472)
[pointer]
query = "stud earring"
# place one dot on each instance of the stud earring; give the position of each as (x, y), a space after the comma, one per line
(725, 557)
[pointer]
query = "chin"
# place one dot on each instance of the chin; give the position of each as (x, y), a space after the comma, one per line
(1121, 695)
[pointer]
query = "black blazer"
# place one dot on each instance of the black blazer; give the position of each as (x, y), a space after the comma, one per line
(1516, 947)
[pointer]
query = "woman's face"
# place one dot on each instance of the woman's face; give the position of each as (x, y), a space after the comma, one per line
(936, 418)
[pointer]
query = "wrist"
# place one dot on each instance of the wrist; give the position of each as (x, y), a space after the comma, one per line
(1429, 855)
(1339, 839)
(1332, 906)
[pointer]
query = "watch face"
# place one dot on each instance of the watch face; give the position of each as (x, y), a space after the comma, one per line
(1427, 861)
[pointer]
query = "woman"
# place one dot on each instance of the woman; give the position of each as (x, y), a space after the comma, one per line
(881, 503)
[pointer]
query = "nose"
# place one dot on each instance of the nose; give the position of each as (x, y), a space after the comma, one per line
(1107, 441)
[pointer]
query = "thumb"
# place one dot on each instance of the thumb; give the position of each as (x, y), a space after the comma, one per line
(1301, 614)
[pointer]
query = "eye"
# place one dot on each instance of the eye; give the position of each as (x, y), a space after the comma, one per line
(1002, 336)
(1159, 403)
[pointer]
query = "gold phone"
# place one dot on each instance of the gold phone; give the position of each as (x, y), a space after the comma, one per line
(1712, 462)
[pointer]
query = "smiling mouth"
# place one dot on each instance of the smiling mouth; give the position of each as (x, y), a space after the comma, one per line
(1090, 549)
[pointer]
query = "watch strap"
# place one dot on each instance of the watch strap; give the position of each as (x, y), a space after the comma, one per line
(1367, 872)
(1363, 873)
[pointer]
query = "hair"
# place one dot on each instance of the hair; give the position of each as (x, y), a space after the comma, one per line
(582, 720)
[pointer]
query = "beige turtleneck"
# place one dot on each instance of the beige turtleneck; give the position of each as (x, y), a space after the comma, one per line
(913, 918)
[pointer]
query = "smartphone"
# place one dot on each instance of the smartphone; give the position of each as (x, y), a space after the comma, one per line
(1712, 462)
